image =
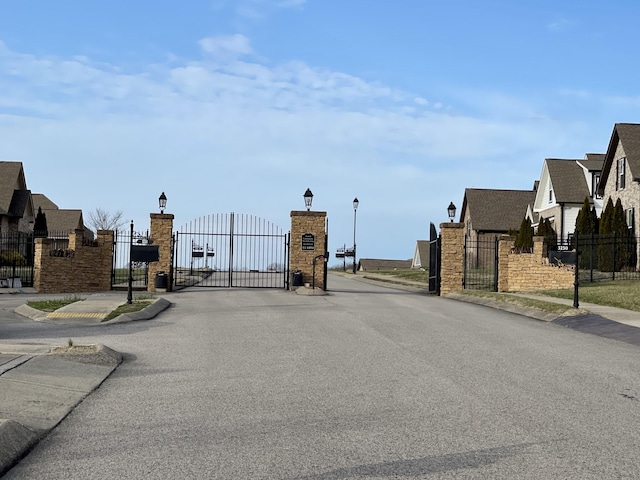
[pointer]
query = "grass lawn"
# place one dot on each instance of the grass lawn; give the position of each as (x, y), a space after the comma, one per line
(619, 293)
(52, 305)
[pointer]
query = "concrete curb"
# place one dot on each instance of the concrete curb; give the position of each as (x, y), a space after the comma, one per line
(30, 312)
(147, 313)
(507, 307)
(36, 394)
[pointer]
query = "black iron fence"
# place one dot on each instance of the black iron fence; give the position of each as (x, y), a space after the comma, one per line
(607, 257)
(16, 259)
(481, 263)
(122, 242)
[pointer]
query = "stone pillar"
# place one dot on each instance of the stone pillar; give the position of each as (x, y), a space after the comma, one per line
(452, 257)
(505, 244)
(161, 233)
(308, 238)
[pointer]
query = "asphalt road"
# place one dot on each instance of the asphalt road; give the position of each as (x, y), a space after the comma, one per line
(364, 383)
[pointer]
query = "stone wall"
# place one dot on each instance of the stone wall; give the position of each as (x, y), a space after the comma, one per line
(161, 234)
(452, 257)
(527, 272)
(82, 267)
(302, 223)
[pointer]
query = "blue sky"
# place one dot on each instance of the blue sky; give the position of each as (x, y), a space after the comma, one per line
(242, 105)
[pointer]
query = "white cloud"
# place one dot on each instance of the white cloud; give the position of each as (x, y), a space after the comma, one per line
(225, 45)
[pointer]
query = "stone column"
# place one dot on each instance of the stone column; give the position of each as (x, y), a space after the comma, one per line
(161, 233)
(308, 234)
(452, 257)
(505, 244)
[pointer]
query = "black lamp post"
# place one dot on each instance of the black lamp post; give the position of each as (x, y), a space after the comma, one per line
(162, 202)
(308, 198)
(451, 210)
(355, 208)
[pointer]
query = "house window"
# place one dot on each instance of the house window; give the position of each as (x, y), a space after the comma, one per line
(621, 172)
(630, 217)
(550, 195)
(594, 188)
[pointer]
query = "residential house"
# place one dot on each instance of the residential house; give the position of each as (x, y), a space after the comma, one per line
(564, 184)
(488, 214)
(16, 207)
(60, 222)
(621, 171)
(421, 255)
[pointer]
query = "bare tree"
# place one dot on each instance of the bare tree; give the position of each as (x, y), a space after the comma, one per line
(100, 219)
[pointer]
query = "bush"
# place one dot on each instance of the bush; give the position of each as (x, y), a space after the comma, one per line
(12, 258)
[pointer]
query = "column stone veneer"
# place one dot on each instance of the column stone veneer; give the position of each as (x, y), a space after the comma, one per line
(161, 233)
(305, 224)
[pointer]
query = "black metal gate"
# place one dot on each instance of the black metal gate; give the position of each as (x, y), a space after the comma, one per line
(480, 263)
(16, 259)
(231, 250)
(122, 243)
(434, 260)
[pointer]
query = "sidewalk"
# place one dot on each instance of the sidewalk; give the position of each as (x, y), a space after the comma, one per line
(41, 384)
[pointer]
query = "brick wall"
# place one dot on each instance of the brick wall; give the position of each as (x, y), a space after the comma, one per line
(526, 272)
(303, 222)
(452, 256)
(83, 268)
(161, 233)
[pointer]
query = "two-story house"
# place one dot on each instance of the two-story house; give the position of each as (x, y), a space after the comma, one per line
(620, 177)
(564, 184)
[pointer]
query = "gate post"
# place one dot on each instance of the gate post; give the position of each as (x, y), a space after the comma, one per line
(308, 240)
(161, 232)
(452, 257)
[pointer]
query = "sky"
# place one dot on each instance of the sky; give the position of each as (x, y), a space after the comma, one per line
(240, 106)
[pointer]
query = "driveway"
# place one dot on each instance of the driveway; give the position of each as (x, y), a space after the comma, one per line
(366, 382)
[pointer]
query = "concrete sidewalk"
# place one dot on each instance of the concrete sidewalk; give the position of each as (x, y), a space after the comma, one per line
(39, 386)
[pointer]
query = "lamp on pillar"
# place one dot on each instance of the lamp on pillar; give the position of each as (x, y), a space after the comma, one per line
(355, 207)
(162, 202)
(308, 198)
(451, 210)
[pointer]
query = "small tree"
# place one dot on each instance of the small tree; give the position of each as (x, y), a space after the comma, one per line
(605, 250)
(101, 219)
(524, 240)
(586, 227)
(546, 230)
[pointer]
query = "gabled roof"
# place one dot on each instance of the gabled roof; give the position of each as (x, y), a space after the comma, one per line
(372, 264)
(66, 221)
(42, 201)
(421, 256)
(496, 210)
(11, 181)
(629, 135)
(568, 181)
(596, 158)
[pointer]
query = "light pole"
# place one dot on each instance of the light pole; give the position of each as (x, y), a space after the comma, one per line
(355, 209)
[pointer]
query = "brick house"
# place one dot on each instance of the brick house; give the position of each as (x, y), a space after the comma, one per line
(620, 178)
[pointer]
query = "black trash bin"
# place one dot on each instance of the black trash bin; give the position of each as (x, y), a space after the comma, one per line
(161, 281)
(297, 279)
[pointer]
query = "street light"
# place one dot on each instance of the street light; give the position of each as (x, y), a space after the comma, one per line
(308, 198)
(355, 208)
(162, 202)
(451, 210)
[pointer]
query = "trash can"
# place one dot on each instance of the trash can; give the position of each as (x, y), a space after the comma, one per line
(297, 279)
(160, 282)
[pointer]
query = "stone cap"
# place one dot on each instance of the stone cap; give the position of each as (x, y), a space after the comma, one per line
(162, 216)
(305, 213)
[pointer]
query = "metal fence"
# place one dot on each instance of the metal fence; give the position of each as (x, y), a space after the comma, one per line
(607, 257)
(122, 242)
(16, 259)
(480, 264)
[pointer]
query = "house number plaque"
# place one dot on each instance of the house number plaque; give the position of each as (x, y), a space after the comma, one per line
(308, 242)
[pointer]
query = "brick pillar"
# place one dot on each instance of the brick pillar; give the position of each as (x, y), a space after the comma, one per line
(312, 227)
(161, 232)
(41, 245)
(452, 251)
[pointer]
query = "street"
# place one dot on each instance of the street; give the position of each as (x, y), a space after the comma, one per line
(367, 382)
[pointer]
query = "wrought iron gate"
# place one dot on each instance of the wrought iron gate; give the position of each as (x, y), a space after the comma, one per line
(231, 250)
(434, 260)
(480, 263)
